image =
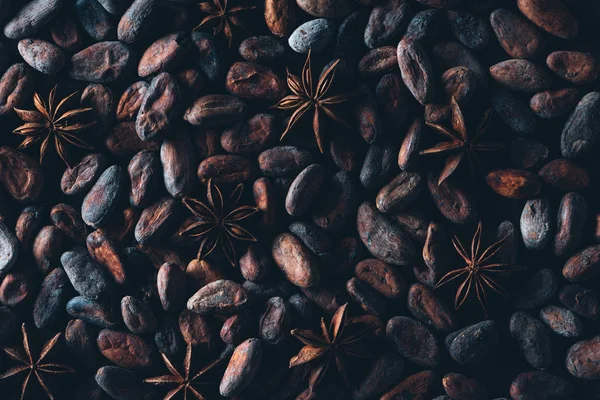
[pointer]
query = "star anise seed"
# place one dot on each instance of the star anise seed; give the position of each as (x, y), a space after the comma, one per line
(222, 17)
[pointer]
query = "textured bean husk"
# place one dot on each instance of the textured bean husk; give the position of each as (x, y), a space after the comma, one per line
(196, 330)
(378, 61)
(80, 338)
(325, 8)
(20, 175)
(453, 201)
(344, 153)
(565, 175)
(382, 277)
(131, 100)
(382, 237)
(265, 198)
(424, 305)
(178, 163)
(527, 153)
(137, 20)
(304, 189)
(424, 25)
(536, 290)
(103, 62)
(473, 343)
(105, 253)
(254, 82)
(387, 22)
(121, 226)
(572, 215)
(156, 220)
(409, 150)
(121, 383)
(518, 38)
(416, 70)
(580, 300)
(437, 252)
(419, 386)
(66, 35)
(283, 161)
(539, 384)
(27, 225)
(295, 260)
(414, 341)
(171, 286)
(580, 133)
(532, 338)
(459, 386)
(378, 166)
(80, 177)
(575, 67)
(243, 366)
(315, 34)
(367, 298)
(414, 224)
(100, 99)
(87, 277)
(137, 316)
(401, 192)
(123, 140)
(554, 103)
(317, 240)
(583, 265)
(366, 116)
(51, 300)
(251, 136)
(553, 16)
(222, 297)
(392, 99)
(386, 371)
(237, 328)
(9, 249)
(452, 54)
(514, 113)
(459, 82)
(95, 20)
(274, 322)
(514, 183)
(280, 17)
(226, 169)
(126, 350)
(536, 224)
(68, 220)
(583, 359)
(159, 108)
(31, 18)
(521, 76)
(42, 56)
(144, 174)
(211, 52)
(100, 202)
(262, 49)
(216, 110)
(470, 29)
(47, 248)
(562, 321)
(16, 85)
(164, 54)
(207, 142)
(93, 312)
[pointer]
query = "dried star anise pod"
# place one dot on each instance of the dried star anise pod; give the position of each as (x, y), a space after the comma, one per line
(305, 97)
(223, 16)
(184, 382)
(479, 273)
(333, 344)
(460, 144)
(218, 221)
(33, 366)
(50, 123)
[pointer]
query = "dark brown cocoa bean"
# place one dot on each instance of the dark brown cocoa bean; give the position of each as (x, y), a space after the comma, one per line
(126, 349)
(414, 341)
(536, 224)
(280, 17)
(565, 175)
(533, 339)
(31, 18)
(453, 201)
(554, 103)
(164, 54)
(575, 67)
(47, 248)
(100, 202)
(137, 316)
(87, 277)
(254, 265)
(265, 198)
(254, 82)
(131, 100)
(419, 386)
(378, 61)
(409, 150)
(401, 192)
(553, 16)
(251, 136)
(95, 20)
(42, 56)
(243, 366)
(387, 22)
(68, 220)
(473, 343)
(562, 321)
(521, 76)
(121, 383)
(144, 175)
(583, 265)
(518, 38)
(416, 70)
(215, 110)
(196, 330)
(100, 99)
(366, 297)
(580, 132)
(156, 219)
(16, 86)
(295, 260)
(325, 8)
(304, 189)
(459, 386)
(27, 226)
(80, 338)
(105, 253)
(178, 163)
(382, 277)
(274, 322)
(392, 99)
(571, 218)
(66, 35)
(171, 286)
(460, 83)
(226, 169)
(92, 312)
(283, 161)
(514, 183)
(452, 54)
(237, 328)
(222, 297)
(261, 49)
(123, 140)
(159, 108)
(378, 166)
(582, 359)
(317, 240)
(424, 305)
(20, 175)
(80, 177)
(536, 290)
(579, 300)
(470, 29)
(539, 384)
(137, 20)
(51, 300)
(200, 273)
(102, 62)
(527, 153)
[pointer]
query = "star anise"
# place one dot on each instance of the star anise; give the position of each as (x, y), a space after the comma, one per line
(222, 17)
(480, 271)
(218, 221)
(49, 123)
(305, 97)
(34, 366)
(333, 344)
(184, 382)
(460, 144)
